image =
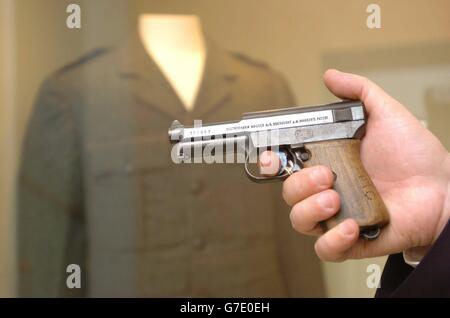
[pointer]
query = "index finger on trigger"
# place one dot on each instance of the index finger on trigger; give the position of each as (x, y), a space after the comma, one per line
(269, 163)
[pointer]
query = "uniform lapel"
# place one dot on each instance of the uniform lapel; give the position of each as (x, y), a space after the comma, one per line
(146, 83)
(150, 89)
(218, 79)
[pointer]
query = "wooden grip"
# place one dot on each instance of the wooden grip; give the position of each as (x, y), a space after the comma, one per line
(359, 197)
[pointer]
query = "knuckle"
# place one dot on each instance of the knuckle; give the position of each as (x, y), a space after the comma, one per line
(328, 249)
(333, 198)
(365, 88)
(326, 204)
(293, 218)
(303, 218)
(319, 178)
(296, 218)
(292, 191)
(306, 182)
(321, 253)
(285, 192)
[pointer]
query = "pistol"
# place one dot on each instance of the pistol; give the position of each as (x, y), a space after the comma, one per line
(327, 135)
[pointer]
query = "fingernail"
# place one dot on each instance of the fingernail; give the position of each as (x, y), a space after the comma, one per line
(325, 201)
(346, 228)
(319, 176)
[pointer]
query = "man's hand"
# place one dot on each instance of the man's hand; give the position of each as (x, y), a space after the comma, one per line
(408, 165)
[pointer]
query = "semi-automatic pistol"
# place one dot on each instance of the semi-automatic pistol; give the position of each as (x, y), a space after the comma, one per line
(327, 135)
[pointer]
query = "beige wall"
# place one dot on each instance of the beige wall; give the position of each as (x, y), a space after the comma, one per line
(44, 43)
(7, 146)
(293, 36)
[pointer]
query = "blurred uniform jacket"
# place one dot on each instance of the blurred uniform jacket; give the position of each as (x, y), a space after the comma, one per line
(98, 188)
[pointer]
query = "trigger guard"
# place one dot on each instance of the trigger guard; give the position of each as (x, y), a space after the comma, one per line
(289, 163)
(262, 179)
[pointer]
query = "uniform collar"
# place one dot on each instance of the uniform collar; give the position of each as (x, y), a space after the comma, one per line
(151, 89)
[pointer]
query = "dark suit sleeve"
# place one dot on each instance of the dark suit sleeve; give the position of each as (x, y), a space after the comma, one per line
(431, 278)
(299, 263)
(49, 198)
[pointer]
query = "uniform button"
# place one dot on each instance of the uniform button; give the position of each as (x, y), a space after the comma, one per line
(199, 243)
(196, 187)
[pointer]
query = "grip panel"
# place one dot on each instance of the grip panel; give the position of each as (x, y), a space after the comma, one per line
(360, 199)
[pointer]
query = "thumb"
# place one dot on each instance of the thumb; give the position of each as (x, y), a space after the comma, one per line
(351, 86)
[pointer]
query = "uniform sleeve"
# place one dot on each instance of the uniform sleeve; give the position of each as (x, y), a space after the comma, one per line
(300, 265)
(49, 198)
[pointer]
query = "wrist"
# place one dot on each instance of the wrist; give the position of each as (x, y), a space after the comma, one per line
(445, 216)
(413, 256)
(446, 206)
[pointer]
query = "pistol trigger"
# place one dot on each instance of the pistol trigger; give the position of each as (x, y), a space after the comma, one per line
(287, 162)
(296, 155)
